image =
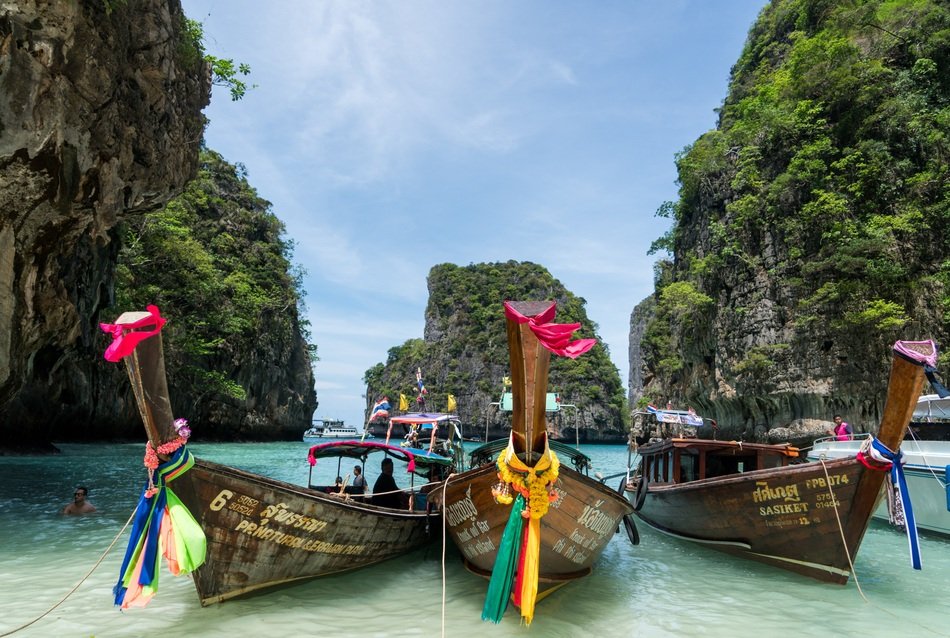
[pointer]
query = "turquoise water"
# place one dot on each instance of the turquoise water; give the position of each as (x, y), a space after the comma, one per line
(660, 588)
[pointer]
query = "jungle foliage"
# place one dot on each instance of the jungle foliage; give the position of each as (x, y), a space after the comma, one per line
(215, 262)
(827, 175)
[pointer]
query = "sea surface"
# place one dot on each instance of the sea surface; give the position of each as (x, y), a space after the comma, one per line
(662, 587)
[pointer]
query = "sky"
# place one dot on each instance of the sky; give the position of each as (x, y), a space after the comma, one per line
(395, 135)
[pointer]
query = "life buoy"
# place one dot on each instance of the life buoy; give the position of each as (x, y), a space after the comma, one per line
(633, 535)
(641, 494)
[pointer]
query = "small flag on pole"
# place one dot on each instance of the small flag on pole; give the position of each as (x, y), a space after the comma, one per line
(451, 404)
(403, 403)
(380, 410)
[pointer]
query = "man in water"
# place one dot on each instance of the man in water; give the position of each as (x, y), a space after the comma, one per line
(80, 505)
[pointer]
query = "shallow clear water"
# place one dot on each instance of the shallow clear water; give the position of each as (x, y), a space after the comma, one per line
(662, 587)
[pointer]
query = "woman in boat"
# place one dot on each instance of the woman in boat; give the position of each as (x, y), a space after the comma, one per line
(841, 431)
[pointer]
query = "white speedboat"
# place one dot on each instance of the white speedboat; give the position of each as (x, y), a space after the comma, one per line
(330, 429)
(341, 432)
(927, 471)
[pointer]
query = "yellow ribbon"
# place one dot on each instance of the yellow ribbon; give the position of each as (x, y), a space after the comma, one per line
(533, 480)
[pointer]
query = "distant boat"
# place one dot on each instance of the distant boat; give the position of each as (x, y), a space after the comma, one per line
(330, 429)
(248, 532)
(434, 432)
(758, 501)
(340, 432)
(931, 420)
(927, 468)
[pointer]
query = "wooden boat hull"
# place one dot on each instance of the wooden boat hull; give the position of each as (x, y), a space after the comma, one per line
(784, 517)
(574, 531)
(262, 532)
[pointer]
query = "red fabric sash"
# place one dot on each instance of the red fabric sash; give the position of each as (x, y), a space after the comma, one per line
(124, 340)
(556, 337)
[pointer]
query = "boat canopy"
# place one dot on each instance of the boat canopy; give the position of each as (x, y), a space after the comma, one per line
(931, 407)
(425, 420)
(552, 402)
(361, 449)
(681, 417)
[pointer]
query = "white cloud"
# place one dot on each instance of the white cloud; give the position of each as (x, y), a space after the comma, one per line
(392, 136)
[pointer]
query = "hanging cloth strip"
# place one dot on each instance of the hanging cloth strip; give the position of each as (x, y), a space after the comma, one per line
(517, 565)
(876, 456)
(938, 387)
(124, 341)
(162, 525)
(556, 337)
(506, 565)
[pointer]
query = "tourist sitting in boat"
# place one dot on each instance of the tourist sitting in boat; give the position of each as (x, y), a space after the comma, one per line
(412, 437)
(385, 491)
(359, 481)
(337, 487)
(841, 431)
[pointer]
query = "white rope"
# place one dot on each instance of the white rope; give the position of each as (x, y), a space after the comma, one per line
(847, 550)
(929, 465)
(81, 581)
(444, 489)
(854, 574)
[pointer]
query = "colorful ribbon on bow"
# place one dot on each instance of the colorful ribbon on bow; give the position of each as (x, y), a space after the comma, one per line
(894, 461)
(517, 563)
(556, 337)
(162, 526)
(125, 337)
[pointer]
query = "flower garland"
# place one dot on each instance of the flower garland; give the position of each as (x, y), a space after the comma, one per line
(537, 488)
(166, 449)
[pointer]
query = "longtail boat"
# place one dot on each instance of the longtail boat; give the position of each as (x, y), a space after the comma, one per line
(762, 502)
(926, 470)
(432, 432)
(523, 519)
(238, 532)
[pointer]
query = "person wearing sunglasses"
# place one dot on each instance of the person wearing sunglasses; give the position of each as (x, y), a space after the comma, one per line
(80, 505)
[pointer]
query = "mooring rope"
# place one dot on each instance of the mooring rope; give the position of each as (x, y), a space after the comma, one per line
(854, 574)
(930, 466)
(445, 486)
(81, 581)
(844, 541)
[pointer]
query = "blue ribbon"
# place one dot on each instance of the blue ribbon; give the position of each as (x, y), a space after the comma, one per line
(897, 478)
(147, 523)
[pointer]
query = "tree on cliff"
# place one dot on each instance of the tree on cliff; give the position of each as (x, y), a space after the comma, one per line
(216, 263)
(465, 349)
(814, 217)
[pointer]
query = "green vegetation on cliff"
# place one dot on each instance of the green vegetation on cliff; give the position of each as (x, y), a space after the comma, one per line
(215, 262)
(465, 351)
(827, 182)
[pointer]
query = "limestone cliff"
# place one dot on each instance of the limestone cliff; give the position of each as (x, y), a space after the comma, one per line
(216, 262)
(464, 352)
(809, 234)
(100, 120)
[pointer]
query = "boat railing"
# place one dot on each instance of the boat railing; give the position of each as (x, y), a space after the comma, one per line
(488, 453)
(832, 438)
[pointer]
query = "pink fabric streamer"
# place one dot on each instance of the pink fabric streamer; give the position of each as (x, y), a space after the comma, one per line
(556, 337)
(124, 340)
